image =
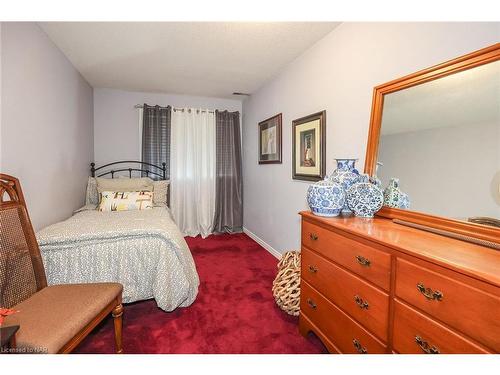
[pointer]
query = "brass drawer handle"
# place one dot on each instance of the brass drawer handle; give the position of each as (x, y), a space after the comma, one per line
(311, 303)
(312, 269)
(424, 345)
(359, 301)
(429, 293)
(363, 261)
(313, 237)
(359, 347)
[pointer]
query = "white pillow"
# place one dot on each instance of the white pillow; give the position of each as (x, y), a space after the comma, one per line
(124, 184)
(125, 200)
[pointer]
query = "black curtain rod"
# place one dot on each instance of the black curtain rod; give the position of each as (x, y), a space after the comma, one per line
(175, 109)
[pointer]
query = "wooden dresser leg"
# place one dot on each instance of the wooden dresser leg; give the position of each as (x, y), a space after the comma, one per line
(117, 319)
(303, 327)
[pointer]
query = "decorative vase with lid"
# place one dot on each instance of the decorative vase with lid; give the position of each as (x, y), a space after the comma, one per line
(394, 197)
(326, 198)
(346, 175)
(364, 197)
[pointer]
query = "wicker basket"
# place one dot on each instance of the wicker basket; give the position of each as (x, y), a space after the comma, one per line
(286, 285)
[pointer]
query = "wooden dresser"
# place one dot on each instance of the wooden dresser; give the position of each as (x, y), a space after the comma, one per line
(373, 286)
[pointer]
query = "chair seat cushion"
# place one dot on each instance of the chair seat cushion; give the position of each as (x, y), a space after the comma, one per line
(50, 318)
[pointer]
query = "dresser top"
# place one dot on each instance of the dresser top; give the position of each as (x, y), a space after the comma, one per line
(473, 260)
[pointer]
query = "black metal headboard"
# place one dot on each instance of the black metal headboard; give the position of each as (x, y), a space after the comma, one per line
(147, 168)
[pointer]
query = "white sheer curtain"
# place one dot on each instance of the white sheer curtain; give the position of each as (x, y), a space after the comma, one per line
(192, 173)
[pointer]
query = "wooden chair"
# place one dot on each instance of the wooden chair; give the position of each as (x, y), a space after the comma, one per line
(52, 319)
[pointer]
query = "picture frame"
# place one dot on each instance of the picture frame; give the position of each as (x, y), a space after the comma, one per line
(270, 140)
(309, 147)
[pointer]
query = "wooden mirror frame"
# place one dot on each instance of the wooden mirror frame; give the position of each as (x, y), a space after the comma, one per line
(471, 60)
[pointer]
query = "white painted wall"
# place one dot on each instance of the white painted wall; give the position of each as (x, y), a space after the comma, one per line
(116, 132)
(337, 74)
(446, 171)
(46, 123)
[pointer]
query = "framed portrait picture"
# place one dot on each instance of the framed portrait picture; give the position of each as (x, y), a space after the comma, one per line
(270, 140)
(308, 145)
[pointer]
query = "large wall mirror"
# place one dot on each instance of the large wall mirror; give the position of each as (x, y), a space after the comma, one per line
(437, 134)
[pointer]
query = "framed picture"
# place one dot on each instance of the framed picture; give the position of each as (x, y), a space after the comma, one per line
(308, 145)
(270, 140)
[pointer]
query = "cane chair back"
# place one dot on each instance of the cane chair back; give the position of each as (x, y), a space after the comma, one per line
(21, 267)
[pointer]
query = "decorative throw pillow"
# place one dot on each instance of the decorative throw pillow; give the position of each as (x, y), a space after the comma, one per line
(92, 195)
(125, 200)
(124, 184)
(160, 190)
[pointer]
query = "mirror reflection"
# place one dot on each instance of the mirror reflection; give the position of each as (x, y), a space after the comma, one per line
(441, 140)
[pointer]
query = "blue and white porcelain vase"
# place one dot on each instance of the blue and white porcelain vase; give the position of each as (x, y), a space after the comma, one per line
(326, 198)
(364, 197)
(405, 201)
(394, 197)
(346, 175)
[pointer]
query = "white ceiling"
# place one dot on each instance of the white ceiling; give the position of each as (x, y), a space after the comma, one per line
(196, 58)
(466, 98)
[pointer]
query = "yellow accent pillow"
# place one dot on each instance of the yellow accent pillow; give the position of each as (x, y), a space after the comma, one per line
(125, 200)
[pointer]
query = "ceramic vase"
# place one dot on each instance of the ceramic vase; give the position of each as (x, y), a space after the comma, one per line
(405, 201)
(326, 198)
(365, 198)
(346, 175)
(394, 197)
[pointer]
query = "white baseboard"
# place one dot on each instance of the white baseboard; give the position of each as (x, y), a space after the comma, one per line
(262, 243)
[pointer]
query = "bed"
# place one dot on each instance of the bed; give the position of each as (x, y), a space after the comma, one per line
(142, 249)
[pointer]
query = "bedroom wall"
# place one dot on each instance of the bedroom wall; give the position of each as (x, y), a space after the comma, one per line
(337, 74)
(116, 121)
(46, 123)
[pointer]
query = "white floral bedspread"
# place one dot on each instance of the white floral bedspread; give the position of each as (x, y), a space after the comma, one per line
(144, 250)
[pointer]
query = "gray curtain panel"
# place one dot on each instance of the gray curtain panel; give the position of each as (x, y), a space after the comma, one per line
(156, 126)
(229, 179)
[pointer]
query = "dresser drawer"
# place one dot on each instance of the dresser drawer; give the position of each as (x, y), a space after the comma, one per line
(365, 303)
(463, 307)
(372, 264)
(416, 333)
(345, 333)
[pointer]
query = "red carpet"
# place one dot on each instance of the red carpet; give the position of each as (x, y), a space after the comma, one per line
(233, 313)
